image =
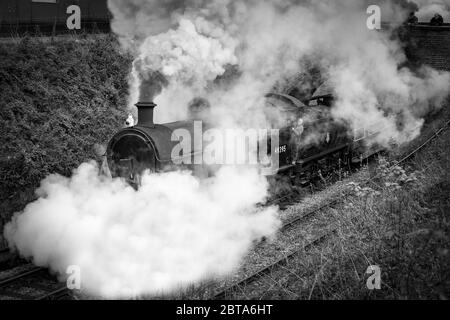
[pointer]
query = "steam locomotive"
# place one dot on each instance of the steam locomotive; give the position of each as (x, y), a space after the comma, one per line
(148, 146)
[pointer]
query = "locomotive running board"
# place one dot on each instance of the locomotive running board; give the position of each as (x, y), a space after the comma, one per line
(366, 155)
(322, 154)
(302, 162)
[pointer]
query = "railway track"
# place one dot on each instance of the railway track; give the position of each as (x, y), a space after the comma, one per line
(223, 294)
(301, 218)
(28, 282)
(228, 291)
(420, 147)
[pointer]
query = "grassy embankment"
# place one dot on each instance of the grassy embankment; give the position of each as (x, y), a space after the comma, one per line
(57, 100)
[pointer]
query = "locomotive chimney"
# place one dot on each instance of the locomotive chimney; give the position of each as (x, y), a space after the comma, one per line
(145, 113)
(148, 89)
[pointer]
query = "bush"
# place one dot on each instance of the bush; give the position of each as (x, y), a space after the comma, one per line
(57, 100)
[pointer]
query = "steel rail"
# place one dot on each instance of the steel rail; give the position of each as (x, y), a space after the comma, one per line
(222, 294)
(21, 275)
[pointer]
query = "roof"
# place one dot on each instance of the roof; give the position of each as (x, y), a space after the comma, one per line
(286, 97)
(324, 90)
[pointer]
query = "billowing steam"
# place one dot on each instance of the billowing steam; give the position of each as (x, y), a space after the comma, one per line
(173, 231)
(189, 61)
(195, 42)
(176, 229)
(428, 8)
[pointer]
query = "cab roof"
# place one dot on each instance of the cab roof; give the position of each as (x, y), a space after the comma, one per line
(324, 90)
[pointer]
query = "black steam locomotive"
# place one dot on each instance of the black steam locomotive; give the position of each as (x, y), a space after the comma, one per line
(148, 146)
(50, 16)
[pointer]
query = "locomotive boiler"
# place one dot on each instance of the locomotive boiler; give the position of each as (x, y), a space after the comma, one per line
(146, 146)
(320, 145)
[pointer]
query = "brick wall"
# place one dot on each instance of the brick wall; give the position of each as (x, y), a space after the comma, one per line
(429, 45)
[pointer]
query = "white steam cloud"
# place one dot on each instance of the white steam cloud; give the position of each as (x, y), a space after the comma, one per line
(174, 231)
(428, 8)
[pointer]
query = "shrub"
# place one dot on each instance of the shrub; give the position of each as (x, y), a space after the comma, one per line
(58, 99)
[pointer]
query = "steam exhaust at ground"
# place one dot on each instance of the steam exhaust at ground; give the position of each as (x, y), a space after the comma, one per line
(174, 231)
